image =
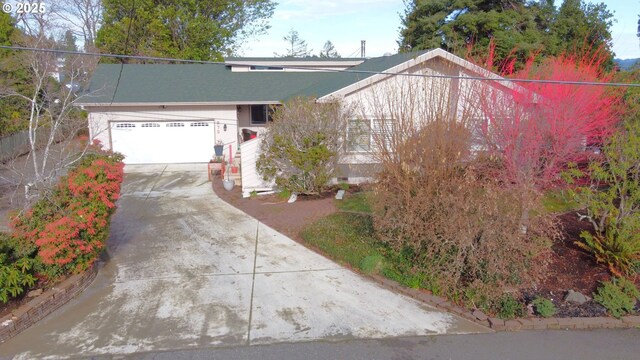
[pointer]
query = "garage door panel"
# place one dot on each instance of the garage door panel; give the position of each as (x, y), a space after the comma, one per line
(163, 142)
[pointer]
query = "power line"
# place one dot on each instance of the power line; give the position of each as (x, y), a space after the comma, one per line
(126, 44)
(497, 78)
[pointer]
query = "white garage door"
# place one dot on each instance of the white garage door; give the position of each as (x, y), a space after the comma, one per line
(163, 142)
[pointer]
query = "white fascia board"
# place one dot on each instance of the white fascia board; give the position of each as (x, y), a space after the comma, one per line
(480, 71)
(296, 63)
(227, 103)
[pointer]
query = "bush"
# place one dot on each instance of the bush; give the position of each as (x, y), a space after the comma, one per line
(69, 225)
(16, 270)
(544, 307)
(301, 147)
(612, 202)
(618, 296)
(509, 307)
(459, 225)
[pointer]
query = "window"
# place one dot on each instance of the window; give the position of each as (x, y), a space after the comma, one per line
(359, 135)
(260, 114)
(150, 125)
(125, 125)
(362, 134)
(266, 68)
(199, 124)
(175, 124)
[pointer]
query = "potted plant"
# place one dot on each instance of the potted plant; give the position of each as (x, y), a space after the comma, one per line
(215, 166)
(218, 148)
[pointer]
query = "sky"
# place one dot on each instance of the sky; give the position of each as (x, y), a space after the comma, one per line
(346, 22)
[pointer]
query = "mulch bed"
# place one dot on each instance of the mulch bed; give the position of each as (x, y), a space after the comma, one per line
(569, 267)
(275, 212)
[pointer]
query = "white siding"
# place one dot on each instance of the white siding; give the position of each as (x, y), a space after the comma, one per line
(251, 180)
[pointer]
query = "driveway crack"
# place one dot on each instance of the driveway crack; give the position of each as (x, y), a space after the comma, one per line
(253, 283)
(156, 182)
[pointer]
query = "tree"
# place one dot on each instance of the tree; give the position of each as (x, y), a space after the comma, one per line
(13, 74)
(329, 51)
(301, 147)
(296, 47)
(53, 120)
(84, 17)
(583, 28)
(186, 29)
(612, 202)
(439, 207)
(519, 28)
(542, 127)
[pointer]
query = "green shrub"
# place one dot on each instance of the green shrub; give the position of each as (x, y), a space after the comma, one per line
(509, 307)
(284, 194)
(301, 146)
(611, 202)
(544, 307)
(618, 296)
(16, 270)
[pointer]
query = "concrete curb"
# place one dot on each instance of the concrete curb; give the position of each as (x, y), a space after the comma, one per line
(496, 324)
(28, 314)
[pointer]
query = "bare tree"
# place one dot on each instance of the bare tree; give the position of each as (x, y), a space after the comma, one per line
(437, 200)
(83, 17)
(54, 122)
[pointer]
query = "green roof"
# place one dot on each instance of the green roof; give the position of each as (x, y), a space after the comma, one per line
(198, 83)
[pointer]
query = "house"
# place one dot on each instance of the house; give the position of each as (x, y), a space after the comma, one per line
(176, 113)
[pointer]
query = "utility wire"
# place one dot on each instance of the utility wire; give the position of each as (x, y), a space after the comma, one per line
(496, 78)
(126, 44)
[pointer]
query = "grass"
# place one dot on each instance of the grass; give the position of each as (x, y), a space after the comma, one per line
(558, 201)
(345, 237)
(348, 237)
(358, 202)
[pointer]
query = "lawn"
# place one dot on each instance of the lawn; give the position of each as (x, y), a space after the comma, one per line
(348, 237)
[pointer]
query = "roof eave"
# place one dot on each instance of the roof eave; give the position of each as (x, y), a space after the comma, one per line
(171, 103)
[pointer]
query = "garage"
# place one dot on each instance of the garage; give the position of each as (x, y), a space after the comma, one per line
(163, 141)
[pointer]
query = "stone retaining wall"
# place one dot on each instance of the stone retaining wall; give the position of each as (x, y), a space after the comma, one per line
(479, 317)
(41, 306)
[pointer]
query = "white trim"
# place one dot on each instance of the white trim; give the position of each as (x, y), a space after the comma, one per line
(415, 61)
(168, 104)
(301, 63)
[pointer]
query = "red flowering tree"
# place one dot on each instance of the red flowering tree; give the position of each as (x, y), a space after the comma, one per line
(540, 127)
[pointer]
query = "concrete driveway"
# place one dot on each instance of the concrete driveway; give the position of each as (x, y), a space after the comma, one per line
(186, 270)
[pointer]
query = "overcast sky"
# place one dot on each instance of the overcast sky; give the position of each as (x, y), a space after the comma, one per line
(346, 22)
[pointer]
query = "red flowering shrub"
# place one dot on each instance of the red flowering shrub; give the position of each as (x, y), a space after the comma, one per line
(67, 229)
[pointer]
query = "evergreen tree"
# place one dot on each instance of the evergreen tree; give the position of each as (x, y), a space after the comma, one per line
(186, 29)
(582, 28)
(329, 51)
(14, 76)
(518, 28)
(296, 47)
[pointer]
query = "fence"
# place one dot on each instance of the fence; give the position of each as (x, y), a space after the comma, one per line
(14, 145)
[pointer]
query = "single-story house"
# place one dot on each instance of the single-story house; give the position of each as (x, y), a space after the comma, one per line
(176, 113)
